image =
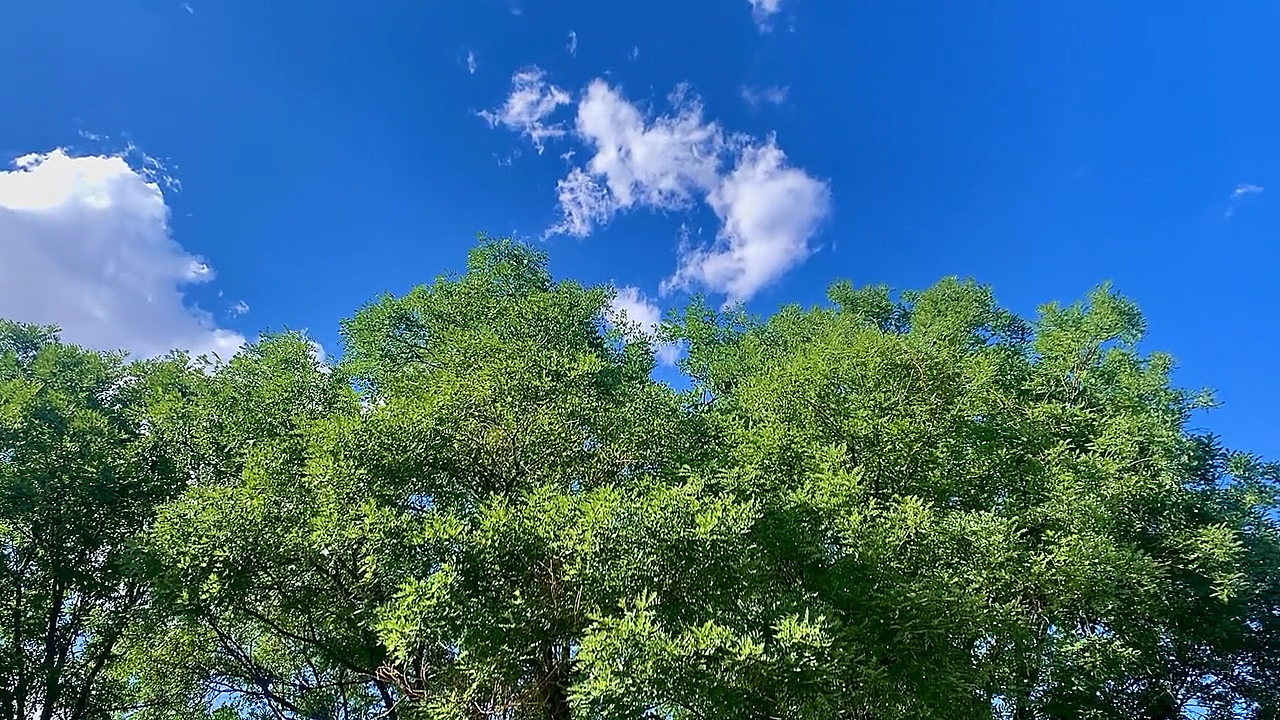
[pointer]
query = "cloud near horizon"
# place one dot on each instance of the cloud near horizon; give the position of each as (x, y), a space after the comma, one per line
(85, 245)
(636, 313)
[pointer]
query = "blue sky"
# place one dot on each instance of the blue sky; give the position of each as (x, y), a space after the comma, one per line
(308, 156)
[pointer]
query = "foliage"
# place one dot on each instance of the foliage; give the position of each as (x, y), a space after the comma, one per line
(81, 476)
(893, 506)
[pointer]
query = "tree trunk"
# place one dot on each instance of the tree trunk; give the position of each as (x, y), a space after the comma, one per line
(555, 668)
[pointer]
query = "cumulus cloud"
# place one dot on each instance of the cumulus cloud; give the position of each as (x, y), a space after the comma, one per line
(240, 308)
(762, 11)
(573, 43)
(85, 245)
(659, 164)
(756, 97)
(631, 310)
(532, 101)
(471, 62)
(768, 211)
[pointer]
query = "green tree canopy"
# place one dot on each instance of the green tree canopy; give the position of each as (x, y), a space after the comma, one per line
(81, 476)
(890, 506)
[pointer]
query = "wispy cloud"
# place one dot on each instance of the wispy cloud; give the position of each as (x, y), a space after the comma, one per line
(532, 101)
(762, 12)
(471, 62)
(572, 47)
(768, 211)
(585, 204)
(87, 247)
(1242, 191)
(240, 308)
(636, 314)
(755, 96)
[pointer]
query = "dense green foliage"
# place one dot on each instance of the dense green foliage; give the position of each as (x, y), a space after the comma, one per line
(913, 506)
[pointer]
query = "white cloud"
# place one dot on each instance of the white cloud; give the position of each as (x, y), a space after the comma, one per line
(471, 62)
(85, 244)
(320, 355)
(240, 308)
(659, 164)
(1242, 190)
(762, 11)
(531, 102)
(631, 305)
(758, 96)
(585, 204)
(768, 211)
(637, 314)
(573, 43)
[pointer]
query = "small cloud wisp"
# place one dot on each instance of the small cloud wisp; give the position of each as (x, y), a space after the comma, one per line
(532, 101)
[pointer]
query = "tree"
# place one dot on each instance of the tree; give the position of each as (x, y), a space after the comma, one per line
(443, 538)
(81, 476)
(961, 515)
(527, 469)
(251, 617)
(886, 507)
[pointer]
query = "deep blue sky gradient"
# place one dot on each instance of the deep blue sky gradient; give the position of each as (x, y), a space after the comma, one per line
(330, 150)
